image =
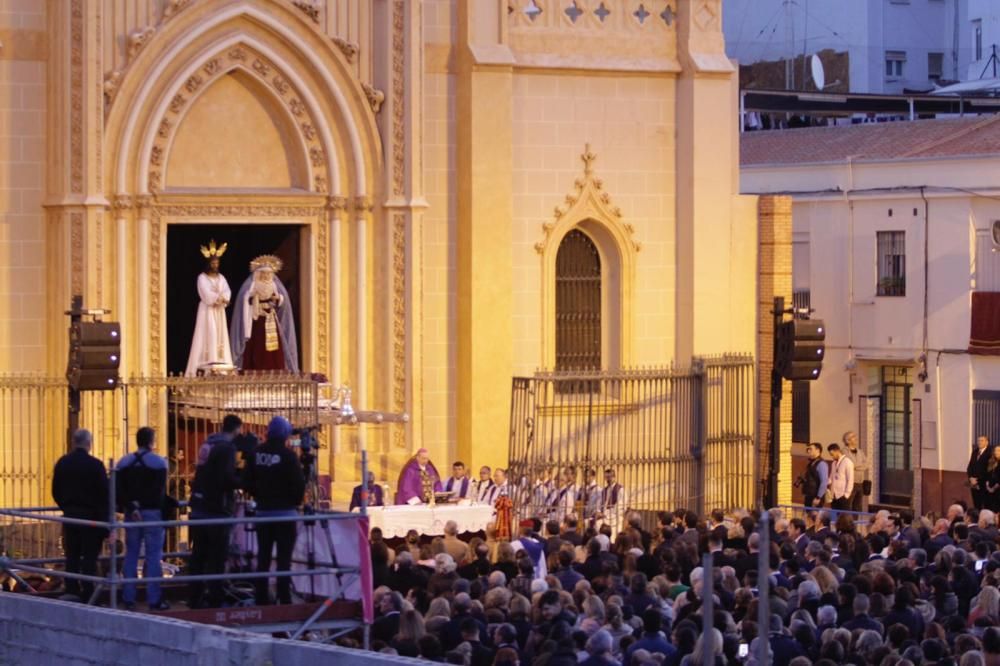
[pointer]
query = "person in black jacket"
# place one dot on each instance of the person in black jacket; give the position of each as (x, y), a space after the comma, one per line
(213, 496)
(977, 471)
(80, 488)
(275, 479)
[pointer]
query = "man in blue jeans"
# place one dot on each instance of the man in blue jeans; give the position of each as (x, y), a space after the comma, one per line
(141, 492)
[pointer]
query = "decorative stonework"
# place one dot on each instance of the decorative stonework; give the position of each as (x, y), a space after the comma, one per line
(173, 8)
(363, 204)
(236, 210)
(336, 203)
(308, 8)
(399, 321)
(261, 68)
(589, 200)
(137, 40)
(399, 218)
(349, 49)
(121, 203)
(322, 306)
(595, 34)
(398, 89)
(76, 96)
(76, 251)
(374, 95)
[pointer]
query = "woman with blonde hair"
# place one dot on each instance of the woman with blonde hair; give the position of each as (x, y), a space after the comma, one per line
(616, 626)
(987, 605)
(411, 626)
(825, 579)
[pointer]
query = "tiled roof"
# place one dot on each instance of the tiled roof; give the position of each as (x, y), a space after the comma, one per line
(953, 137)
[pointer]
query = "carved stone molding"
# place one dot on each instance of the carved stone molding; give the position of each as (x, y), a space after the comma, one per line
(173, 8)
(112, 81)
(76, 96)
(137, 40)
(375, 96)
(247, 60)
(398, 90)
(336, 203)
(308, 8)
(236, 210)
(143, 202)
(589, 200)
(349, 49)
(76, 252)
(122, 202)
(363, 204)
(399, 219)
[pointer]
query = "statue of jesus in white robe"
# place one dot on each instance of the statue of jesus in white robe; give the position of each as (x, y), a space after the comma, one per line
(210, 345)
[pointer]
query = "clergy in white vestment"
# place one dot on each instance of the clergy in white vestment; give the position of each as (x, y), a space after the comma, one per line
(590, 495)
(563, 500)
(613, 503)
(210, 345)
(484, 486)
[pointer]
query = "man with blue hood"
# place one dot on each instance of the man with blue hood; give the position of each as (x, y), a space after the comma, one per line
(275, 479)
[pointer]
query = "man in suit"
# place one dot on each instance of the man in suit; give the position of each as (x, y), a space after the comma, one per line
(797, 536)
(387, 624)
(977, 470)
(375, 496)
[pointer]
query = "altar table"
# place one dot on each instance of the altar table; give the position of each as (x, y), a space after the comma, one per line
(396, 520)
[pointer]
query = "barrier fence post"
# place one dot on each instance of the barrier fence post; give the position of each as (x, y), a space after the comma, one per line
(112, 534)
(763, 591)
(366, 629)
(707, 614)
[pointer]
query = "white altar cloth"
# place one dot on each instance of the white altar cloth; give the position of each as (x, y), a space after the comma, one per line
(396, 520)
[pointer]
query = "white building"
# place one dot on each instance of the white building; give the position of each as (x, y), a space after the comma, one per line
(892, 44)
(978, 36)
(892, 242)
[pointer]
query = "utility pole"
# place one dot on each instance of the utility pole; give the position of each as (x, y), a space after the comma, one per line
(790, 52)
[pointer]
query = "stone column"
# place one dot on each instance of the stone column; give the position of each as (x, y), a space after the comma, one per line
(484, 184)
(709, 319)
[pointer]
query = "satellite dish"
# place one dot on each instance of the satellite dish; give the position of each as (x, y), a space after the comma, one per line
(819, 76)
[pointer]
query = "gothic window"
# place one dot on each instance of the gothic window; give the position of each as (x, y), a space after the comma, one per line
(578, 303)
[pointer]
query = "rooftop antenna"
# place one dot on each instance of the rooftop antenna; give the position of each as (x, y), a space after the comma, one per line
(992, 61)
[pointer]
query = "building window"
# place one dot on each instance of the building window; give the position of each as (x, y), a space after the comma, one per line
(891, 263)
(977, 38)
(894, 61)
(578, 303)
(935, 66)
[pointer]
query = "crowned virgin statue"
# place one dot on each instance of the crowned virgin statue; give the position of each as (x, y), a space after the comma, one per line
(262, 332)
(210, 346)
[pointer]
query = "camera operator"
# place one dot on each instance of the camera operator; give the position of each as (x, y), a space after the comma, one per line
(213, 496)
(275, 479)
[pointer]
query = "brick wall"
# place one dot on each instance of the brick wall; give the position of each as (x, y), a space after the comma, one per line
(774, 214)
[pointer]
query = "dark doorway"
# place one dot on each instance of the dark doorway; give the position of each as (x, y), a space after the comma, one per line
(894, 416)
(246, 241)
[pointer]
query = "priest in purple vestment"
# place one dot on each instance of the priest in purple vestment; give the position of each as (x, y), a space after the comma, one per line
(410, 489)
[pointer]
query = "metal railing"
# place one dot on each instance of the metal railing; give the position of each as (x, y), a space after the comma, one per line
(183, 410)
(674, 437)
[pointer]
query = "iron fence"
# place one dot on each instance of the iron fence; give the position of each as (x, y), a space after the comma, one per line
(674, 437)
(183, 410)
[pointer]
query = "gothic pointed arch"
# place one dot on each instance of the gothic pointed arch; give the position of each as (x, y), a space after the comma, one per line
(589, 209)
(171, 62)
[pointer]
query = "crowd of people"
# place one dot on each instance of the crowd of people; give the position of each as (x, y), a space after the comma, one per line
(575, 586)
(897, 590)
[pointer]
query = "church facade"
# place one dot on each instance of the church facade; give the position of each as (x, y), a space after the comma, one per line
(438, 169)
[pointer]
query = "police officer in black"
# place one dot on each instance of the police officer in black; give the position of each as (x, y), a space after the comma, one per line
(815, 478)
(80, 488)
(275, 479)
(213, 496)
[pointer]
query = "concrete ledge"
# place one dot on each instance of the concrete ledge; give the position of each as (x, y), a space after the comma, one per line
(43, 631)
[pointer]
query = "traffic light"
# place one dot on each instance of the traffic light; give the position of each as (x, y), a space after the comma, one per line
(800, 349)
(94, 355)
